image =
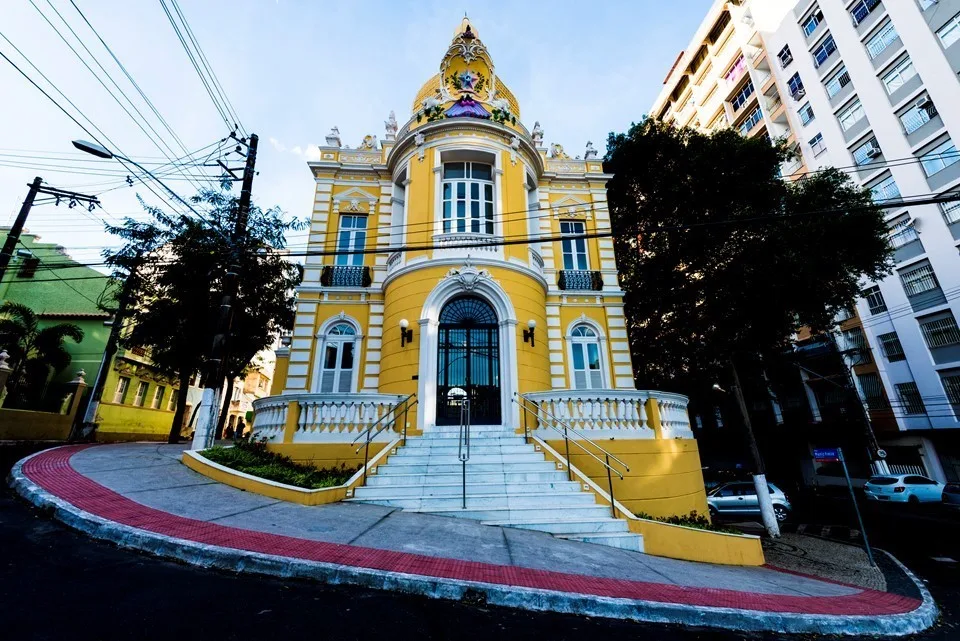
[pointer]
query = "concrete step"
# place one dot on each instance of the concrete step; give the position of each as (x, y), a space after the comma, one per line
(535, 505)
(575, 526)
(477, 448)
(447, 441)
(562, 488)
(474, 429)
(628, 541)
(438, 466)
(475, 459)
(381, 479)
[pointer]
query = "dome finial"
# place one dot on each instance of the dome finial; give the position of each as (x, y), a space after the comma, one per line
(465, 29)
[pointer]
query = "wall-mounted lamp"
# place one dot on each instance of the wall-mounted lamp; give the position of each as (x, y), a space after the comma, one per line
(528, 333)
(406, 335)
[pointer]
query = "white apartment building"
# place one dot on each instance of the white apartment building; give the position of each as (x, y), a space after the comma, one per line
(871, 87)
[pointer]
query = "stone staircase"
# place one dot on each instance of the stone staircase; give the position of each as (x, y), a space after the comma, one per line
(509, 483)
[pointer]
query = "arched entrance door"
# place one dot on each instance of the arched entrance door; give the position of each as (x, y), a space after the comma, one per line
(468, 359)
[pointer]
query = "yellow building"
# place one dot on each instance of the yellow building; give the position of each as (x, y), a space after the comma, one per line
(461, 257)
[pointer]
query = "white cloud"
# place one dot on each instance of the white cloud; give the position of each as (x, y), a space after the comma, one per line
(309, 152)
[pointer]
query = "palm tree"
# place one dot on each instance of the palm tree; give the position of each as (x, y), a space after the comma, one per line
(37, 352)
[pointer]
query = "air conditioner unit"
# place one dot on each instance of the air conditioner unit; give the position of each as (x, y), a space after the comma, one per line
(923, 102)
(800, 93)
(874, 152)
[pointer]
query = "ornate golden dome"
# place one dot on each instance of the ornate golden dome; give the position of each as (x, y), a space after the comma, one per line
(466, 53)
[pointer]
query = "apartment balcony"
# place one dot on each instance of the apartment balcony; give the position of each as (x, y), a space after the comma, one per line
(866, 15)
(345, 276)
(581, 280)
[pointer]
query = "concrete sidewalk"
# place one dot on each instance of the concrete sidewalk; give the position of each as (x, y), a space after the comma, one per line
(141, 496)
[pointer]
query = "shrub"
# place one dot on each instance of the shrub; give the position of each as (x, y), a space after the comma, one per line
(253, 458)
(694, 520)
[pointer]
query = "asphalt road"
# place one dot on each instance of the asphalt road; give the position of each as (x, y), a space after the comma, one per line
(57, 584)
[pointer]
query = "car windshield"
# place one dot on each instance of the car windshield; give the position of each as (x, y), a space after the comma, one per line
(882, 480)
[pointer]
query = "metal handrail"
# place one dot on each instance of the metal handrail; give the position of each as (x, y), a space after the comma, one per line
(607, 456)
(463, 447)
(395, 410)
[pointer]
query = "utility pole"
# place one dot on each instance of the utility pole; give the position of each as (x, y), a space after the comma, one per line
(759, 475)
(36, 187)
(214, 372)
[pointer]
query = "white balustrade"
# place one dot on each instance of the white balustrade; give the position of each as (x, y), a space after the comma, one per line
(674, 419)
(601, 414)
(269, 418)
(328, 418)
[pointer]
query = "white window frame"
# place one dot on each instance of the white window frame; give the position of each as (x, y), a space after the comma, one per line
(817, 145)
(802, 111)
(883, 189)
(140, 398)
(951, 212)
(120, 393)
(916, 117)
(326, 337)
(939, 158)
(919, 276)
(869, 144)
(486, 226)
(851, 115)
(569, 247)
(350, 236)
(834, 85)
(875, 301)
(172, 401)
(811, 22)
(575, 342)
(899, 75)
(903, 232)
(882, 39)
(950, 32)
(826, 50)
(158, 394)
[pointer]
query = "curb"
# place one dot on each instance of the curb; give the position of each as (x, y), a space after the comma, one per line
(535, 599)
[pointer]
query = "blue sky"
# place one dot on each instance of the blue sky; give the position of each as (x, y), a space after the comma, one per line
(294, 69)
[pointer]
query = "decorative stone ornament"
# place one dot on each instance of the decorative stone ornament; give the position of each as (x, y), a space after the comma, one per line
(590, 151)
(556, 151)
(369, 143)
(514, 146)
(468, 276)
(537, 134)
(390, 125)
(333, 138)
(418, 140)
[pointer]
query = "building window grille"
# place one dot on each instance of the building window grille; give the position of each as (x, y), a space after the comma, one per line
(851, 115)
(950, 32)
(741, 97)
(885, 190)
(951, 385)
(872, 390)
(940, 158)
(862, 9)
(806, 114)
(352, 237)
(751, 121)
(467, 198)
(881, 40)
(951, 212)
(839, 80)
(822, 53)
(910, 399)
(940, 332)
(785, 56)
(919, 280)
(812, 22)
(903, 232)
(918, 116)
(867, 152)
(875, 300)
(892, 349)
(899, 75)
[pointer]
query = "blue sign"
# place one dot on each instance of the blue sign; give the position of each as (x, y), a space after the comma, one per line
(826, 455)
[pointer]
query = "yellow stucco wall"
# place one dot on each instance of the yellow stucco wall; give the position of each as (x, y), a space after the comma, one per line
(127, 422)
(325, 455)
(664, 478)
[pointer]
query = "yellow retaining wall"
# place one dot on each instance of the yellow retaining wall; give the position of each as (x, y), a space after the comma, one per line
(27, 425)
(691, 544)
(314, 452)
(131, 423)
(664, 478)
(322, 455)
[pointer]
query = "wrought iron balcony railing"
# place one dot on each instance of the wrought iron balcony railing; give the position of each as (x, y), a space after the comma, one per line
(345, 276)
(580, 279)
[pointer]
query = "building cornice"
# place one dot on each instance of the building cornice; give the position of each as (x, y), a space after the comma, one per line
(454, 261)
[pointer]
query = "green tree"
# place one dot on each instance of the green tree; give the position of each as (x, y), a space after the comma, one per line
(179, 264)
(37, 352)
(720, 257)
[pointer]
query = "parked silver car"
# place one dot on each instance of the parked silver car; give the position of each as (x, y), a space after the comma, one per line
(740, 499)
(903, 488)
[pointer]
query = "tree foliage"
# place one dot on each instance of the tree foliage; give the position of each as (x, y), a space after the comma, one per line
(719, 256)
(35, 352)
(176, 266)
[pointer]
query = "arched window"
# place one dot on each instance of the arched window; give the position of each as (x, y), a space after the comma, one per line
(337, 359)
(467, 192)
(586, 361)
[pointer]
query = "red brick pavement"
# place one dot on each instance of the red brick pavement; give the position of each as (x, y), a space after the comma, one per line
(51, 470)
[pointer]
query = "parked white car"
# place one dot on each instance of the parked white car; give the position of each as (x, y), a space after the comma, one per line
(903, 488)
